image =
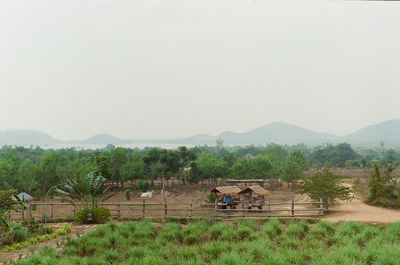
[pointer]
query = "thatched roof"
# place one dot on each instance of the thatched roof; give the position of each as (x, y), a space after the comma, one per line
(256, 189)
(245, 181)
(226, 189)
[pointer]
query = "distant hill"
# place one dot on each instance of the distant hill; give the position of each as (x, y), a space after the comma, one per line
(279, 133)
(104, 139)
(26, 138)
(387, 132)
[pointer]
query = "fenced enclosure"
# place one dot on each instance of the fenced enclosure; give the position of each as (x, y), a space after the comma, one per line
(147, 208)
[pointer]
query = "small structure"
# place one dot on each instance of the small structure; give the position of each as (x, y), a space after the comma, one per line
(253, 196)
(226, 196)
(23, 196)
(246, 182)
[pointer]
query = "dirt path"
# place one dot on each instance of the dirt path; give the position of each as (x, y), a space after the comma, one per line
(357, 210)
(55, 243)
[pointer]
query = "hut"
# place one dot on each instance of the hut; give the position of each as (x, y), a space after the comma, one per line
(226, 196)
(246, 182)
(253, 196)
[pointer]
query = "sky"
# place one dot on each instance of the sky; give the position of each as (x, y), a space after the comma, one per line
(176, 68)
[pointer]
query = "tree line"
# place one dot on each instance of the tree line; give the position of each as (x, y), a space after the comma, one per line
(35, 170)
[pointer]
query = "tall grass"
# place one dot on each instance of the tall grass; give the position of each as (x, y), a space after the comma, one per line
(240, 242)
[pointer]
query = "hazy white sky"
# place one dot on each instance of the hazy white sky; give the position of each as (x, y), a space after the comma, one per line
(174, 68)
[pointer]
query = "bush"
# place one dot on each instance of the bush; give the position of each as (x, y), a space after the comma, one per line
(127, 194)
(143, 185)
(211, 198)
(272, 228)
(99, 215)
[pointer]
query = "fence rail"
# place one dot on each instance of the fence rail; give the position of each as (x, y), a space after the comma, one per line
(58, 210)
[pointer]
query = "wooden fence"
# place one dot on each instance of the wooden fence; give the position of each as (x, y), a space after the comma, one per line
(144, 209)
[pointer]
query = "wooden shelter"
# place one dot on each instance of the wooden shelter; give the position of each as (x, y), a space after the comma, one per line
(253, 196)
(226, 196)
(246, 182)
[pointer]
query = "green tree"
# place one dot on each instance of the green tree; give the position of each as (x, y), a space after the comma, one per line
(294, 166)
(382, 188)
(325, 185)
(86, 189)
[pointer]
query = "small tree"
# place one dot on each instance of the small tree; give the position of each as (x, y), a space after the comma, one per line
(326, 185)
(85, 189)
(382, 188)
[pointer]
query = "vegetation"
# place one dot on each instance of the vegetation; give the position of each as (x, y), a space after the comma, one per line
(243, 242)
(325, 185)
(35, 170)
(383, 188)
(96, 215)
(24, 239)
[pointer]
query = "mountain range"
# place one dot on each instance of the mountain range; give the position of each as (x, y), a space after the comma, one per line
(387, 132)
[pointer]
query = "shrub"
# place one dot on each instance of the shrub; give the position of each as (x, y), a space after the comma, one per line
(171, 231)
(298, 230)
(99, 215)
(272, 228)
(143, 185)
(127, 194)
(211, 198)
(322, 230)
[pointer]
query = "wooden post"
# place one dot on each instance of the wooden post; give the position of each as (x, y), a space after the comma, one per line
(293, 207)
(51, 209)
(165, 207)
(321, 205)
(74, 210)
(191, 208)
(119, 209)
(144, 208)
(268, 207)
(9, 215)
(216, 207)
(243, 208)
(30, 210)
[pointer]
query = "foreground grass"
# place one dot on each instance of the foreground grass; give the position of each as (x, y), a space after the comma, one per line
(243, 242)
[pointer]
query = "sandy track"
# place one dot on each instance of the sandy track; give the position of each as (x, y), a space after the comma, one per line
(357, 210)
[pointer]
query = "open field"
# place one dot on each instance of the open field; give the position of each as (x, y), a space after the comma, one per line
(239, 242)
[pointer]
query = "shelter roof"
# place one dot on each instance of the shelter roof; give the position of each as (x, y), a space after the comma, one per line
(226, 189)
(256, 189)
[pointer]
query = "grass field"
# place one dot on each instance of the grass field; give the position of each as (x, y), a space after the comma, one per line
(240, 242)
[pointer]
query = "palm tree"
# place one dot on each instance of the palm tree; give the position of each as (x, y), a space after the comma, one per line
(85, 189)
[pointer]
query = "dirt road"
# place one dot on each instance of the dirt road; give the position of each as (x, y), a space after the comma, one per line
(357, 210)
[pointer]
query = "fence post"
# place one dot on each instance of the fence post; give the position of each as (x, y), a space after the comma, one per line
(293, 207)
(9, 215)
(191, 208)
(30, 210)
(51, 210)
(243, 208)
(216, 207)
(268, 208)
(119, 209)
(144, 208)
(165, 207)
(321, 205)
(74, 210)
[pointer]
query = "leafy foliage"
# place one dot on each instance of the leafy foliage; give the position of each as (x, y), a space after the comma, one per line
(97, 215)
(382, 188)
(325, 185)
(85, 189)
